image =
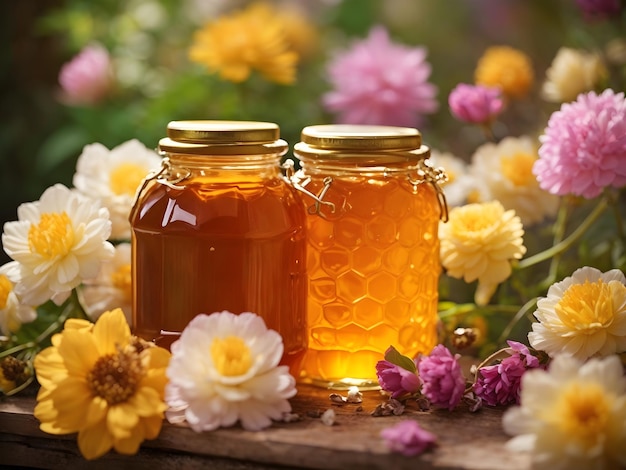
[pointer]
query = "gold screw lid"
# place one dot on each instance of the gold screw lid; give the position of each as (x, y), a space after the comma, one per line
(223, 132)
(361, 137)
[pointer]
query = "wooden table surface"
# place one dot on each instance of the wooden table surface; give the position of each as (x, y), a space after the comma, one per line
(465, 441)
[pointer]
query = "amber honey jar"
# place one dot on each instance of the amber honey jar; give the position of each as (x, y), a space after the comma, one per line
(373, 207)
(216, 228)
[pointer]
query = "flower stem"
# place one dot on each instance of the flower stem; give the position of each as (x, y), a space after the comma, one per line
(568, 242)
(518, 316)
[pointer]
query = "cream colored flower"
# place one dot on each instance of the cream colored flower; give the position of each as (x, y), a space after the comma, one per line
(478, 242)
(103, 383)
(57, 242)
(224, 369)
(572, 72)
(504, 171)
(113, 177)
(12, 312)
(583, 315)
(111, 288)
(572, 416)
(460, 182)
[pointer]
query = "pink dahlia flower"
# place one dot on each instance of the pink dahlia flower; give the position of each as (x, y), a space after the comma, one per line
(499, 384)
(408, 438)
(396, 380)
(475, 104)
(87, 78)
(583, 149)
(442, 378)
(382, 83)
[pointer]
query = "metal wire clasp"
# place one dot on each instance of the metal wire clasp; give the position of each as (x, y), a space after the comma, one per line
(427, 173)
(299, 181)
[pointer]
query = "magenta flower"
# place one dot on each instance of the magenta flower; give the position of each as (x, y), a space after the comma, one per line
(442, 379)
(396, 380)
(499, 384)
(599, 9)
(380, 82)
(475, 104)
(87, 78)
(408, 438)
(583, 149)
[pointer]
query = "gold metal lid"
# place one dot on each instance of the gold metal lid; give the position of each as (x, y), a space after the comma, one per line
(223, 132)
(361, 137)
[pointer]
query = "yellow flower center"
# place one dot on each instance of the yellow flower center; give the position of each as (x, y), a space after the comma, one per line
(518, 169)
(474, 218)
(126, 178)
(5, 289)
(231, 356)
(583, 413)
(53, 236)
(116, 377)
(587, 307)
(122, 279)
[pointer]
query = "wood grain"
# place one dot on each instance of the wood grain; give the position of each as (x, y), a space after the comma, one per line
(465, 441)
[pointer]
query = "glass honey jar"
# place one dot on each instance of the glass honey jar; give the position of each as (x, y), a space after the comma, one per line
(373, 204)
(218, 227)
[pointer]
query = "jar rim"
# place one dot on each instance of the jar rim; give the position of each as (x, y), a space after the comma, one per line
(361, 137)
(278, 147)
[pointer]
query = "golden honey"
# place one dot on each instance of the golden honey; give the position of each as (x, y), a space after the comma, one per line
(218, 228)
(373, 208)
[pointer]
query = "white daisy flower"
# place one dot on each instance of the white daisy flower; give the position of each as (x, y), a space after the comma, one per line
(12, 312)
(504, 171)
(112, 287)
(224, 369)
(583, 315)
(572, 416)
(113, 177)
(460, 183)
(56, 243)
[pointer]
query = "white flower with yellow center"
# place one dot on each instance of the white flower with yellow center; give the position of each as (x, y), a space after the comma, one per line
(111, 288)
(478, 242)
(56, 243)
(12, 312)
(572, 416)
(460, 183)
(583, 315)
(224, 369)
(504, 171)
(572, 72)
(113, 177)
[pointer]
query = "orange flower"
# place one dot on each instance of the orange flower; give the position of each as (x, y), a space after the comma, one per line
(507, 68)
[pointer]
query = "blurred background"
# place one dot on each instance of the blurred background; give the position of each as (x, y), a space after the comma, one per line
(154, 81)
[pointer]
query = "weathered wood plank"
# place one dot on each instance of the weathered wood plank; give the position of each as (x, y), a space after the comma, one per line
(466, 441)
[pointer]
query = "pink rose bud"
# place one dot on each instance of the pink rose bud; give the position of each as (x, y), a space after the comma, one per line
(87, 78)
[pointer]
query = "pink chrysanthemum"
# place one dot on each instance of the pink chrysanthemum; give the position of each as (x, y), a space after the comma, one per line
(499, 384)
(583, 148)
(408, 438)
(380, 82)
(442, 378)
(396, 380)
(475, 104)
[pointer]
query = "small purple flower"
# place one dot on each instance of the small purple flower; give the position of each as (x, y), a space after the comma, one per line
(377, 81)
(583, 148)
(442, 378)
(408, 438)
(499, 384)
(475, 104)
(396, 380)
(599, 9)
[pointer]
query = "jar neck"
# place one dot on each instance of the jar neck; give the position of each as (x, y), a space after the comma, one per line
(198, 163)
(356, 165)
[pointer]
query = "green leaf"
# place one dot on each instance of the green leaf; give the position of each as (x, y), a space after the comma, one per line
(392, 355)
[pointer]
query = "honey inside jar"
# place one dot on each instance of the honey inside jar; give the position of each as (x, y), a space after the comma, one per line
(372, 250)
(220, 231)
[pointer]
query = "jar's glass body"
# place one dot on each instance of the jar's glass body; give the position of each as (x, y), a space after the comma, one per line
(372, 266)
(220, 233)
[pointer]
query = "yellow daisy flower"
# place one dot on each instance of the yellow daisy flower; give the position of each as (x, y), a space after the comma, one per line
(507, 68)
(13, 373)
(101, 382)
(478, 243)
(251, 39)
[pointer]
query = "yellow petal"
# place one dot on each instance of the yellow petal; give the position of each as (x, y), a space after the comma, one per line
(77, 324)
(121, 420)
(95, 441)
(130, 445)
(148, 402)
(155, 379)
(110, 330)
(49, 367)
(78, 351)
(152, 426)
(96, 411)
(159, 357)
